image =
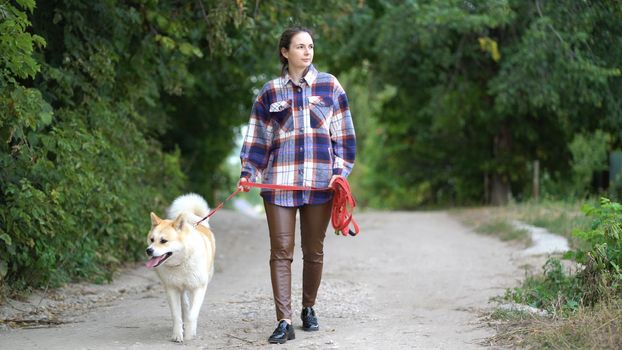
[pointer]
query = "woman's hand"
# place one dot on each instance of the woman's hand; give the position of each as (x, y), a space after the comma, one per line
(242, 185)
(332, 179)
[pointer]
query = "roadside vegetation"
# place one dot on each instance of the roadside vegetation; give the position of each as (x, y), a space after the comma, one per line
(580, 291)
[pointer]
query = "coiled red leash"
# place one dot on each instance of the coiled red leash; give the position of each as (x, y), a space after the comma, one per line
(341, 215)
(343, 203)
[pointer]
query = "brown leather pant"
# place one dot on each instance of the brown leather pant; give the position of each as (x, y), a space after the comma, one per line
(282, 224)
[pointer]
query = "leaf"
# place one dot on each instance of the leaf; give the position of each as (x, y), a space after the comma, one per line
(587, 208)
(28, 4)
(569, 255)
(489, 45)
(186, 49)
(615, 266)
(166, 42)
(46, 114)
(6, 238)
(572, 304)
(616, 206)
(197, 52)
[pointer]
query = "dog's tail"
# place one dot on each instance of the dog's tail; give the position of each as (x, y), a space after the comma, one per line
(192, 205)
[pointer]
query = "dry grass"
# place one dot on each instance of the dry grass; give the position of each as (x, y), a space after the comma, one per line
(589, 328)
(494, 221)
(557, 217)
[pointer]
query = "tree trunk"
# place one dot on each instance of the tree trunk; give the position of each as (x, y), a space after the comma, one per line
(500, 191)
(535, 189)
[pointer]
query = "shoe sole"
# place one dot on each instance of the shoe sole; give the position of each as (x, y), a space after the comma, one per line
(310, 329)
(282, 341)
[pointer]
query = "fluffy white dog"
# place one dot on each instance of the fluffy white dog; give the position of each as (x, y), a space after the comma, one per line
(182, 254)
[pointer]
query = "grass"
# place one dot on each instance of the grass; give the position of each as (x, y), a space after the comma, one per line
(588, 328)
(504, 231)
(493, 221)
(556, 216)
(559, 217)
(571, 325)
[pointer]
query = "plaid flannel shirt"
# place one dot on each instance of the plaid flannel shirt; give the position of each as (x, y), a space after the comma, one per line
(300, 135)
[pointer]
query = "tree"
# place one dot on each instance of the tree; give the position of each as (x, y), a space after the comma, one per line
(483, 89)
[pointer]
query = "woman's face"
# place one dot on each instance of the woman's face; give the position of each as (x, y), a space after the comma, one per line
(300, 53)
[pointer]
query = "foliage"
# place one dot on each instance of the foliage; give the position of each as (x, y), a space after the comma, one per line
(484, 89)
(80, 169)
(555, 290)
(571, 321)
(589, 155)
(109, 109)
(599, 256)
(22, 110)
(16, 44)
(602, 254)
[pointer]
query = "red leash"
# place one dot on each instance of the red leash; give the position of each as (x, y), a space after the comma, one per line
(218, 207)
(341, 215)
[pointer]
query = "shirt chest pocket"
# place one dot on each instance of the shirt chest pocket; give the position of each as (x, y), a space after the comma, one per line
(281, 113)
(321, 110)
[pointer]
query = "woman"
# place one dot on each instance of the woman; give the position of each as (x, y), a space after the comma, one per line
(301, 134)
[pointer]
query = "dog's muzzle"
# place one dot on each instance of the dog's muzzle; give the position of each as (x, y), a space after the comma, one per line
(156, 261)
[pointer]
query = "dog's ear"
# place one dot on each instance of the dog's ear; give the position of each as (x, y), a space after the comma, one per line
(179, 222)
(155, 220)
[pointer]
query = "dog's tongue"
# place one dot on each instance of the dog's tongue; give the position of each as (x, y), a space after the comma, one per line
(154, 261)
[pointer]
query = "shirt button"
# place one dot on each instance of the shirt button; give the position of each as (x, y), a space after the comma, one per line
(298, 90)
(301, 149)
(300, 108)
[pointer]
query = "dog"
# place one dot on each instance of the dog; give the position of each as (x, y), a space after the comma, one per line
(182, 254)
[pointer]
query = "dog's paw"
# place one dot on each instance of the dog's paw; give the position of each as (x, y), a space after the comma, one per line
(178, 337)
(190, 330)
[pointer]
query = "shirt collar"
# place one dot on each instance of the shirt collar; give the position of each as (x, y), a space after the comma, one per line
(309, 77)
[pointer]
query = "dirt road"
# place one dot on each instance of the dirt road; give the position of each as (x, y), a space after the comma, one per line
(410, 280)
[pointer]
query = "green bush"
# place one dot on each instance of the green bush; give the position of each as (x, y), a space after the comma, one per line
(79, 168)
(555, 290)
(75, 199)
(598, 256)
(589, 155)
(601, 255)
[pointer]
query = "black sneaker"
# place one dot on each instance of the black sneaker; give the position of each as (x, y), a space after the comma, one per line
(283, 332)
(309, 321)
